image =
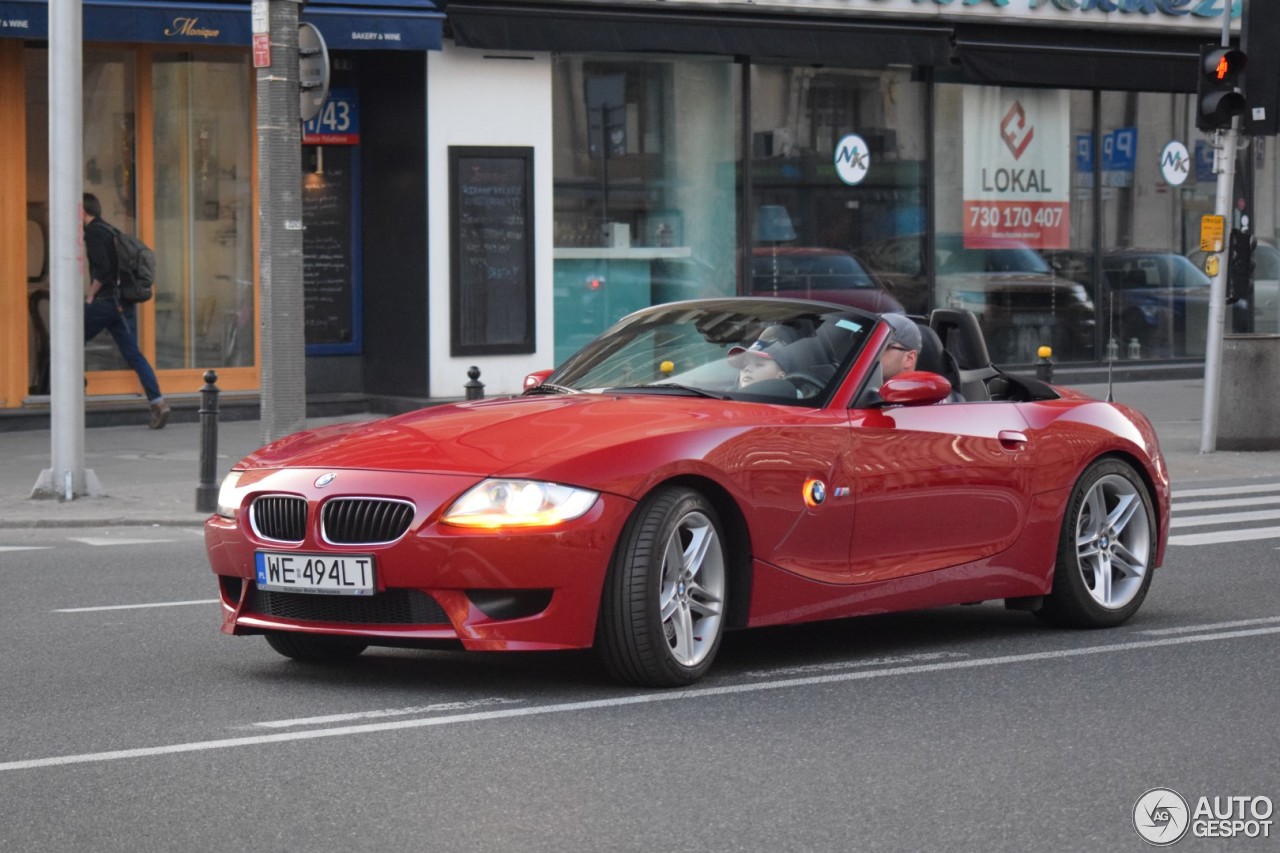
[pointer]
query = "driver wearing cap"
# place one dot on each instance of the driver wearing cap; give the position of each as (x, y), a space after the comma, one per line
(903, 349)
(766, 358)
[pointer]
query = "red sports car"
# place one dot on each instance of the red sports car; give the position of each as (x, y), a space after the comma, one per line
(643, 498)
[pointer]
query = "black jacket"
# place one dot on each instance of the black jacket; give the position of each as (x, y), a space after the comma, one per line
(100, 249)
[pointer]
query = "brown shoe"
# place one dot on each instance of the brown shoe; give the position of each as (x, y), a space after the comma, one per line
(159, 415)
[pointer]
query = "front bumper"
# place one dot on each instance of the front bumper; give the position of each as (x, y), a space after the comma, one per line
(525, 589)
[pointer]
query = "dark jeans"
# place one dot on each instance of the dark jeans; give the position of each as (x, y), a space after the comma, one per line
(103, 314)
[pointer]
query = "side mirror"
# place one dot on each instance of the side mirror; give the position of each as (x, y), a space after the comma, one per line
(915, 388)
(533, 380)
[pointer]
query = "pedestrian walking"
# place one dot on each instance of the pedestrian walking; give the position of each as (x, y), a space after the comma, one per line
(105, 310)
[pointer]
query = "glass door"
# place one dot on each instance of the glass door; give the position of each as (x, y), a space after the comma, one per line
(204, 303)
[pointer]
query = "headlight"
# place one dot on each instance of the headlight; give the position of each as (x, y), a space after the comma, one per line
(228, 496)
(518, 503)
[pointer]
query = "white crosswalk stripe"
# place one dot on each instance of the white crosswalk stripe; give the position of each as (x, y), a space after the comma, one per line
(1232, 514)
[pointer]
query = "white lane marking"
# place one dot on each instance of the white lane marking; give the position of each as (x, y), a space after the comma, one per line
(850, 664)
(1225, 504)
(621, 701)
(97, 541)
(135, 606)
(1226, 490)
(25, 547)
(1215, 626)
(1225, 518)
(387, 712)
(1225, 536)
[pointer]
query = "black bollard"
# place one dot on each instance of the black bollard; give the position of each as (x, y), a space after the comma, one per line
(207, 490)
(474, 387)
(1044, 367)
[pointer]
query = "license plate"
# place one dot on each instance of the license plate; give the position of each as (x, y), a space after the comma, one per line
(322, 574)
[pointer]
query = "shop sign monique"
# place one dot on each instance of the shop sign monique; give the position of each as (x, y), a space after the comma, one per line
(191, 27)
(1197, 15)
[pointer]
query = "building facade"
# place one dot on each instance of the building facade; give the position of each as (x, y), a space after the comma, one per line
(1035, 162)
(494, 182)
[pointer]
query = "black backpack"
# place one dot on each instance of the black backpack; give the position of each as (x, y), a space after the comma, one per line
(136, 263)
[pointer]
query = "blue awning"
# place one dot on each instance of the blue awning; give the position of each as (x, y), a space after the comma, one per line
(346, 25)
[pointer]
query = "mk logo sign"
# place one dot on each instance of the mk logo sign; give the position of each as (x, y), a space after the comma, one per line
(852, 159)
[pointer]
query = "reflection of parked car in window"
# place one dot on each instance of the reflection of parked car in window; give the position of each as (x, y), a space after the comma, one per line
(1161, 301)
(1020, 301)
(829, 275)
(1266, 286)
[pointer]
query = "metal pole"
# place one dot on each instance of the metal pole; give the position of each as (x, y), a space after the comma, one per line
(66, 477)
(207, 490)
(284, 380)
(1225, 167)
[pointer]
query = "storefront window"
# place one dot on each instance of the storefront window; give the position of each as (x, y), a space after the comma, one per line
(109, 173)
(645, 175)
(837, 186)
(109, 154)
(204, 305)
(1042, 177)
(1157, 300)
(1264, 224)
(1014, 217)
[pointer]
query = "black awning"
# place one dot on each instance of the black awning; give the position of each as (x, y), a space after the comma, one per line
(356, 24)
(1077, 59)
(824, 40)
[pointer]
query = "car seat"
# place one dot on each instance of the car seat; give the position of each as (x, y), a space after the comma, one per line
(962, 338)
(811, 356)
(934, 358)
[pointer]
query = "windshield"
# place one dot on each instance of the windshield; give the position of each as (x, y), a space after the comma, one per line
(777, 350)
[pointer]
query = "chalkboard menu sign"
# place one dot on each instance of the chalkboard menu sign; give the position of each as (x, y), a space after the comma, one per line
(329, 271)
(491, 243)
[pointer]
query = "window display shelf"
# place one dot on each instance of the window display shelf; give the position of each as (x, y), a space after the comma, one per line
(608, 253)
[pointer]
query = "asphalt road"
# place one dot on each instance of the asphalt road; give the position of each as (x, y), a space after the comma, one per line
(131, 724)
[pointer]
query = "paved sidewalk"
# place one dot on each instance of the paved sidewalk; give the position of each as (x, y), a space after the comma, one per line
(150, 477)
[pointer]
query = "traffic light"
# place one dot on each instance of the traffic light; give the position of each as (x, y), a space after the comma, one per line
(1240, 266)
(1218, 99)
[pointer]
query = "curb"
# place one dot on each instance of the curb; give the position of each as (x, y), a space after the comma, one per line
(54, 523)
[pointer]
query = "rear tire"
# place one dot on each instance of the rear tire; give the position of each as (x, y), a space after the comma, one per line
(663, 609)
(314, 648)
(1106, 550)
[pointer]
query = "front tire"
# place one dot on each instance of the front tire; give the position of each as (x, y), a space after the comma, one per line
(313, 648)
(663, 609)
(1106, 550)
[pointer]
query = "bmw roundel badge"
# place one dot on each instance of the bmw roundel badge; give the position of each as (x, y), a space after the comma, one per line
(325, 479)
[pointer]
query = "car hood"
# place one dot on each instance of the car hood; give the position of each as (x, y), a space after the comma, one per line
(1004, 281)
(517, 435)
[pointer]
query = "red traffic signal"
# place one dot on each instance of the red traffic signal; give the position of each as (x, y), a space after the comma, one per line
(1218, 100)
(1227, 64)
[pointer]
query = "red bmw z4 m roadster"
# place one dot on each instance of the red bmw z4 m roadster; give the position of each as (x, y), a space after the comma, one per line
(701, 466)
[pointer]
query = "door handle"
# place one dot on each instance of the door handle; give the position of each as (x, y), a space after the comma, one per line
(1012, 440)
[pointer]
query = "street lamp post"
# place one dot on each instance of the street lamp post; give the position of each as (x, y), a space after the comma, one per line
(66, 477)
(283, 398)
